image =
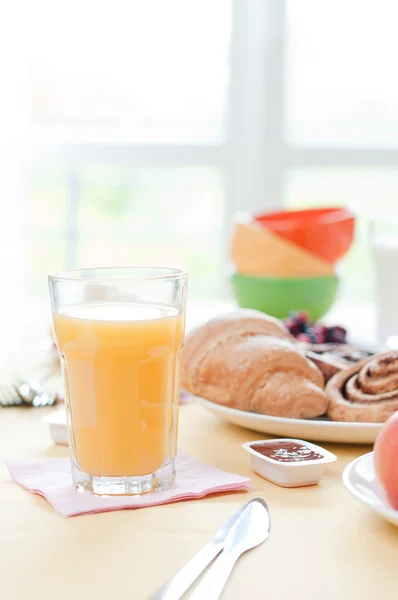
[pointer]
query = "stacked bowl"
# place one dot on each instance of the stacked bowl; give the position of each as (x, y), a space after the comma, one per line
(286, 261)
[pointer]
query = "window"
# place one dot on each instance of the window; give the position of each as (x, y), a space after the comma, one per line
(341, 119)
(150, 123)
(128, 215)
(340, 73)
(128, 120)
(131, 71)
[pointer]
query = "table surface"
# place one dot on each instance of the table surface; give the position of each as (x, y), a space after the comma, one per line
(323, 543)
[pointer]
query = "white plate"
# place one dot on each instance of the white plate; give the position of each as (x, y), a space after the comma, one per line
(57, 426)
(360, 480)
(321, 429)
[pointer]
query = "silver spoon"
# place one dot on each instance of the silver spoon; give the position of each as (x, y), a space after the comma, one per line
(250, 530)
(185, 577)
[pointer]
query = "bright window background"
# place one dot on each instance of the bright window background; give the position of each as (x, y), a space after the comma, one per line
(163, 216)
(341, 72)
(134, 81)
(148, 124)
(136, 71)
(341, 103)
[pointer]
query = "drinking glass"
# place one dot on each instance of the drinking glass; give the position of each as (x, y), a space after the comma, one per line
(383, 241)
(119, 332)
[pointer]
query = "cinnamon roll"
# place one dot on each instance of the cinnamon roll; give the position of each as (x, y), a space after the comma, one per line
(367, 391)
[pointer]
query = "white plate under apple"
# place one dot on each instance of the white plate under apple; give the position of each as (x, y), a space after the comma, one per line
(359, 478)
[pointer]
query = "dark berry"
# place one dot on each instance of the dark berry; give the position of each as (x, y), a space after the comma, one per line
(340, 335)
(303, 316)
(303, 337)
(320, 333)
(292, 326)
(289, 323)
(336, 335)
(319, 338)
(324, 330)
(303, 326)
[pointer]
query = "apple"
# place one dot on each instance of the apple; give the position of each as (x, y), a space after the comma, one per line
(386, 459)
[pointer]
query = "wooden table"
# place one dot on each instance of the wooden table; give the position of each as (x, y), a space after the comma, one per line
(323, 544)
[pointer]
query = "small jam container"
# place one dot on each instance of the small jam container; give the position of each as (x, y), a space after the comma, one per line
(294, 463)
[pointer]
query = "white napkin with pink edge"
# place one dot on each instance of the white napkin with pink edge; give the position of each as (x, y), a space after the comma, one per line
(51, 478)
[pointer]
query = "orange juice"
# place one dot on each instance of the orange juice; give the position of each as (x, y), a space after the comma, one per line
(121, 365)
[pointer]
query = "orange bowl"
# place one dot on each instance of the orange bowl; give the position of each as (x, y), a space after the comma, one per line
(257, 251)
(326, 232)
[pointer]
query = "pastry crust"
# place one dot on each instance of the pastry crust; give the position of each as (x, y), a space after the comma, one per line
(249, 361)
(349, 352)
(365, 392)
(327, 363)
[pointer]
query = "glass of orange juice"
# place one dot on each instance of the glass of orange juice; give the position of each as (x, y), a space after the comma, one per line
(120, 332)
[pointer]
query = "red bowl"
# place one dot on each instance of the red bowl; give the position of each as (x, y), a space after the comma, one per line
(327, 232)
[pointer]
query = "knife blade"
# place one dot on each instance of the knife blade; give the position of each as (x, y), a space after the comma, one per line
(187, 575)
(250, 530)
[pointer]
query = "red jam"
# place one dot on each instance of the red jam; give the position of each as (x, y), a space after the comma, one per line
(287, 451)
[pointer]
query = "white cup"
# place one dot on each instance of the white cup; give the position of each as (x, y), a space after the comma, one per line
(385, 260)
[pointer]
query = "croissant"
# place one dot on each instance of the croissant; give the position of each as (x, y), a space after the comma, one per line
(248, 360)
(367, 391)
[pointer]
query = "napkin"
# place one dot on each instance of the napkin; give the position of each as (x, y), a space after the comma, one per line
(51, 478)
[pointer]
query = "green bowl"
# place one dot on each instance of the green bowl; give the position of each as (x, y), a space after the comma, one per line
(279, 297)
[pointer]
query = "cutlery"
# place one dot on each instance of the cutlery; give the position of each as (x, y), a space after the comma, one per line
(29, 392)
(184, 578)
(250, 529)
(33, 393)
(9, 396)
